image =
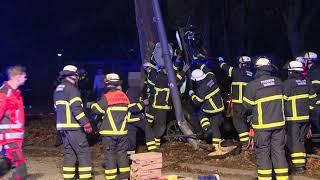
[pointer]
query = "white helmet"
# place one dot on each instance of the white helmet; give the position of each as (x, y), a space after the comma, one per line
(263, 62)
(198, 75)
(300, 59)
(69, 70)
(295, 66)
(311, 56)
(112, 78)
(244, 59)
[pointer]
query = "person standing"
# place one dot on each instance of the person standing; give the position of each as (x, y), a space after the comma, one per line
(72, 124)
(264, 97)
(12, 121)
(98, 83)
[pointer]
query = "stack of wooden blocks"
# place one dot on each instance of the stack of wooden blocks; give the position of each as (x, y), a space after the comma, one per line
(146, 166)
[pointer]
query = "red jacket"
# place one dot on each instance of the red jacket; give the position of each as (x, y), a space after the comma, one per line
(11, 115)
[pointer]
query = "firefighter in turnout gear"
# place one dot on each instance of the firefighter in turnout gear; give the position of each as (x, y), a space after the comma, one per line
(160, 99)
(207, 96)
(113, 128)
(300, 98)
(72, 124)
(136, 117)
(264, 97)
(240, 78)
(12, 122)
(313, 64)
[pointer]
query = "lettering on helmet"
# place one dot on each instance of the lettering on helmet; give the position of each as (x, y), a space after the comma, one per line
(301, 82)
(268, 82)
(60, 87)
(210, 83)
(249, 73)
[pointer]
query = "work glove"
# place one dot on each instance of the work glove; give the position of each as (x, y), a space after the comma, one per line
(220, 59)
(186, 67)
(191, 92)
(87, 128)
(145, 102)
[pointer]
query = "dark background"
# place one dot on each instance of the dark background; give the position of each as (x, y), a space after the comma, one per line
(103, 33)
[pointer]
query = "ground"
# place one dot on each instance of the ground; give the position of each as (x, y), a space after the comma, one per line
(45, 161)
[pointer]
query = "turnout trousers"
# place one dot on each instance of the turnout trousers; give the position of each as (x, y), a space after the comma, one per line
(13, 151)
(296, 135)
(240, 122)
(315, 126)
(159, 124)
(115, 155)
(76, 150)
(133, 128)
(270, 154)
(214, 121)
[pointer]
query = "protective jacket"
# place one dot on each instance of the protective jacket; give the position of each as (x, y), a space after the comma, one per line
(264, 96)
(11, 115)
(300, 98)
(240, 78)
(314, 77)
(207, 94)
(69, 107)
(136, 109)
(114, 106)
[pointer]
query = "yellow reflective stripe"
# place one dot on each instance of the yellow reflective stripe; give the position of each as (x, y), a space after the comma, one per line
(212, 93)
(152, 147)
(68, 175)
(264, 178)
(312, 96)
(294, 107)
(222, 64)
(150, 143)
(301, 96)
(167, 90)
(248, 101)
(318, 102)
(301, 154)
(230, 71)
(110, 171)
(267, 171)
(68, 111)
(281, 170)
(157, 140)
(96, 105)
(62, 102)
(131, 105)
(125, 169)
(205, 124)
(68, 125)
(216, 139)
(296, 118)
(270, 125)
(108, 132)
(149, 116)
(111, 177)
(140, 106)
(244, 139)
(239, 83)
(214, 111)
(270, 98)
(311, 107)
(244, 134)
(85, 169)
(315, 82)
(131, 152)
(75, 100)
(282, 177)
(150, 82)
(110, 118)
(179, 76)
(175, 67)
(197, 98)
(85, 176)
(69, 169)
(81, 115)
(203, 120)
(298, 161)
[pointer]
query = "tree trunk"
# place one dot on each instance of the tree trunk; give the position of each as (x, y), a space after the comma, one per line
(146, 28)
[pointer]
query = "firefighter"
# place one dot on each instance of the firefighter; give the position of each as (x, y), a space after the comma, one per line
(72, 124)
(207, 95)
(160, 100)
(300, 98)
(136, 117)
(12, 121)
(313, 64)
(264, 97)
(114, 106)
(240, 78)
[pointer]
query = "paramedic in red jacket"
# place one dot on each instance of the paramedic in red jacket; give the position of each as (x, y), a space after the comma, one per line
(12, 121)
